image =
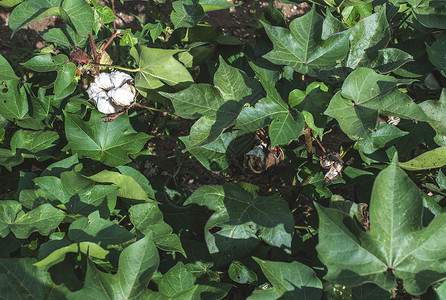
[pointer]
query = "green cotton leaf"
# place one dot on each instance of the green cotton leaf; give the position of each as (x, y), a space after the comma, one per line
(212, 5)
(397, 246)
(440, 291)
(213, 156)
(369, 291)
(302, 47)
(46, 62)
(97, 230)
(78, 194)
(313, 103)
(91, 249)
(234, 84)
(186, 13)
(158, 67)
(63, 36)
(65, 77)
(384, 135)
(196, 101)
(9, 3)
(265, 111)
(9, 158)
(40, 110)
(76, 13)
(139, 178)
(337, 3)
(44, 219)
(241, 220)
(436, 110)
(289, 280)
(356, 121)
(436, 53)
(216, 107)
(109, 143)
(239, 273)
(127, 186)
(7, 71)
(206, 130)
(430, 15)
(218, 290)
(19, 279)
(368, 89)
(389, 59)
(178, 279)
(286, 129)
(366, 38)
(104, 12)
(128, 39)
(13, 100)
(137, 264)
(148, 219)
(34, 144)
(428, 160)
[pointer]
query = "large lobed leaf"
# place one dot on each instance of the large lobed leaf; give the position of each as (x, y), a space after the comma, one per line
(216, 107)
(109, 143)
(157, 68)
(397, 246)
(137, 264)
(302, 47)
(76, 13)
(364, 94)
(44, 219)
(241, 220)
(19, 279)
(290, 281)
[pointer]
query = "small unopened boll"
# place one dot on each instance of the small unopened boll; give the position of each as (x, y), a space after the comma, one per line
(112, 92)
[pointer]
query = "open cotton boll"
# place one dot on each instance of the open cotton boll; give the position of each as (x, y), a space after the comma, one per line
(103, 81)
(105, 106)
(93, 90)
(122, 96)
(119, 78)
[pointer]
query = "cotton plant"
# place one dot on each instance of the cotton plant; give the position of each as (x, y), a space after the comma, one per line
(112, 92)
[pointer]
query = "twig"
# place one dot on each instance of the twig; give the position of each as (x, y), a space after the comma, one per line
(305, 227)
(116, 67)
(93, 47)
(320, 145)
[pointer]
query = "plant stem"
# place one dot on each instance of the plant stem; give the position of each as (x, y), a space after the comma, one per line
(116, 67)
(152, 108)
(305, 227)
(320, 145)
(93, 47)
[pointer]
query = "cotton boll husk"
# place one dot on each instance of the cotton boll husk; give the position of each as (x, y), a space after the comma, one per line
(105, 106)
(119, 78)
(103, 81)
(122, 96)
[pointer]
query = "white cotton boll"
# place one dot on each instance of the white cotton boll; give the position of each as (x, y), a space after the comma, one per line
(93, 90)
(105, 106)
(121, 96)
(103, 81)
(119, 78)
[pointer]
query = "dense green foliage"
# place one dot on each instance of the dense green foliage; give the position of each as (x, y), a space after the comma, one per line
(171, 198)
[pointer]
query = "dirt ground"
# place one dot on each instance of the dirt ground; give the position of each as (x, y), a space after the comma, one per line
(234, 21)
